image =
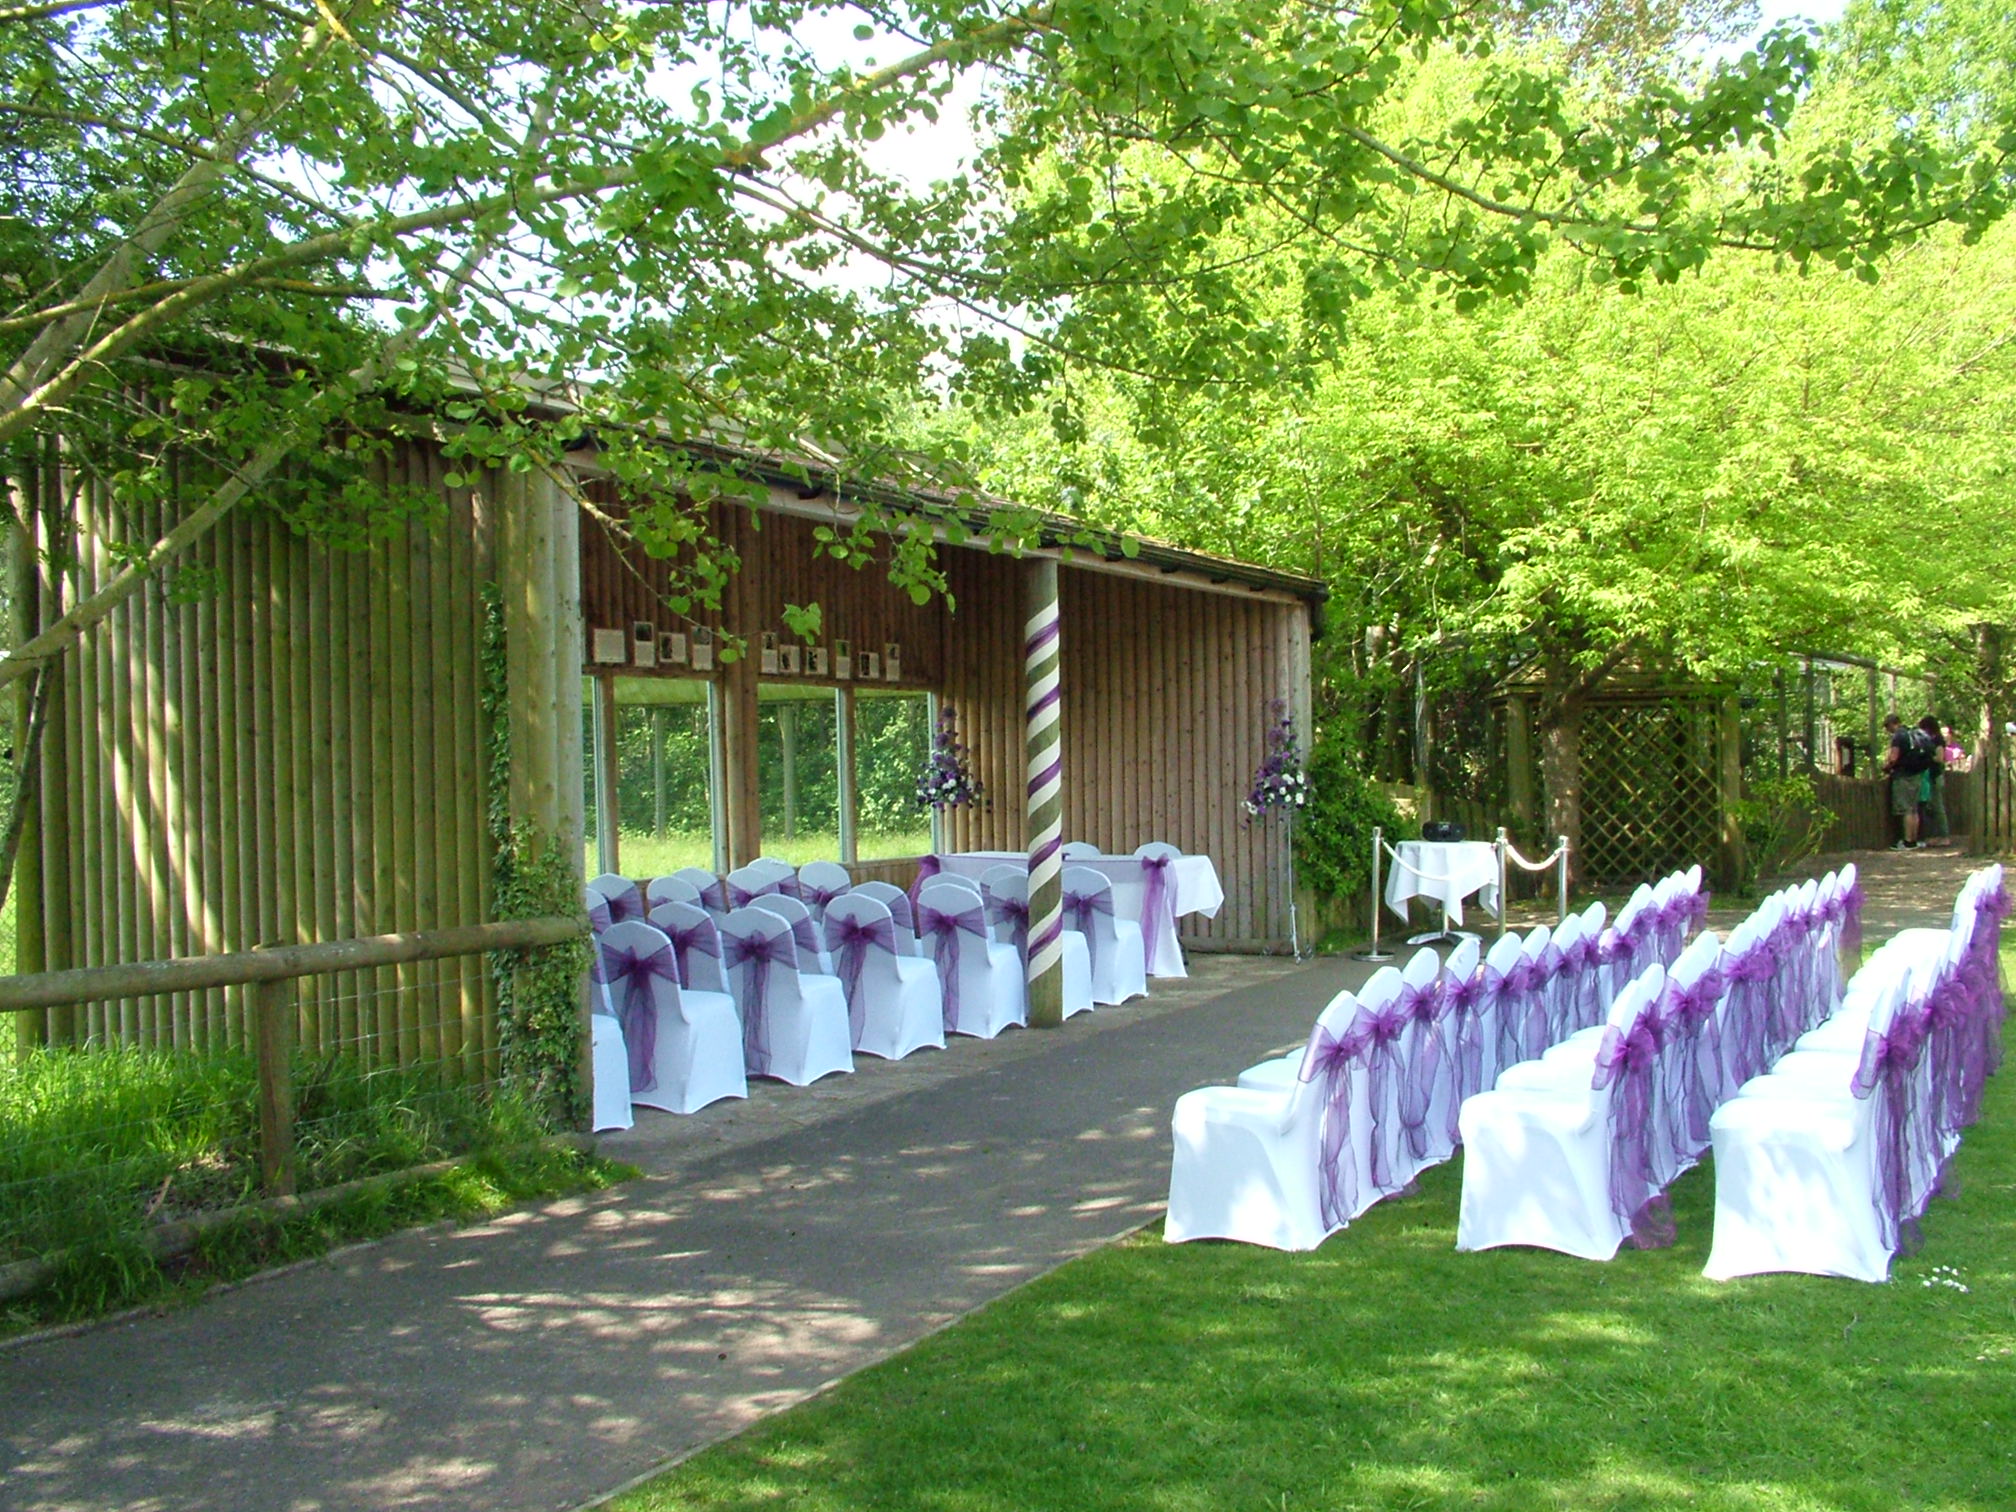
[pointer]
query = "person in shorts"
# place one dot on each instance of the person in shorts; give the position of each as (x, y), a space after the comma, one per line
(1905, 764)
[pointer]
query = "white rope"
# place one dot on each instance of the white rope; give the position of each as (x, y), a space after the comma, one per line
(1424, 876)
(1512, 854)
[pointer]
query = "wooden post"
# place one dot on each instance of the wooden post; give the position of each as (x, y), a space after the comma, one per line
(1732, 792)
(658, 713)
(1812, 719)
(1043, 736)
(608, 770)
(787, 741)
(1875, 717)
(272, 1010)
(848, 775)
(1519, 787)
(1784, 725)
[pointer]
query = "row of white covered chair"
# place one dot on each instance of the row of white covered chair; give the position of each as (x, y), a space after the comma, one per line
(1824, 1163)
(1305, 1142)
(1574, 1151)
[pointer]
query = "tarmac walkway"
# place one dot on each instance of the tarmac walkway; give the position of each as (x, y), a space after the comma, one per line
(771, 1247)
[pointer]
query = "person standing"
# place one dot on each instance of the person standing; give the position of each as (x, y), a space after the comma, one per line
(1905, 763)
(1932, 786)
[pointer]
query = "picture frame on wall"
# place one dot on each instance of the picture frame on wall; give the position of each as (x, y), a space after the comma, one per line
(768, 660)
(703, 649)
(791, 659)
(672, 648)
(644, 644)
(815, 661)
(892, 662)
(608, 648)
(843, 660)
(871, 667)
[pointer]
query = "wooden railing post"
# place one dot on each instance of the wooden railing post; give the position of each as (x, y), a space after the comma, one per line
(273, 1039)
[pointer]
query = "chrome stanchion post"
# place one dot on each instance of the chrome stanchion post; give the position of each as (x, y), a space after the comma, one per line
(1504, 881)
(1564, 878)
(1375, 953)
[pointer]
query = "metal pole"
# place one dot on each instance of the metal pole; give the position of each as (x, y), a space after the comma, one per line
(1043, 736)
(1564, 878)
(1294, 930)
(1375, 953)
(1504, 881)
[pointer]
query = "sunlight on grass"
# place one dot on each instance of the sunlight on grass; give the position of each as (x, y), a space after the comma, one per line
(1386, 1371)
(646, 856)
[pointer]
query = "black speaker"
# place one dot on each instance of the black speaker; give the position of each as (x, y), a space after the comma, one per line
(1442, 832)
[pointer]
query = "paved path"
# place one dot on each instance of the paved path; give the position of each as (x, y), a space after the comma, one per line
(772, 1246)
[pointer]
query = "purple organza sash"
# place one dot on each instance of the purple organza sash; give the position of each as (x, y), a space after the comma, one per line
(1697, 909)
(759, 954)
(927, 868)
(1527, 984)
(1889, 1066)
(703, 936)
(1014, 912)
(899, 909)
(638, 1010)
(1387, 1028)
(1748, 976)
(943, 928)
(1079, 908)
(1579, 999)
(742, 896)
(1949, 1024)
(816, 898)
(1463, 999)
(1693, 1075)
(805, 935)
(626, 905)
(713, 895)
(1631, 1062)
(847, 941)
(1330, 1059)
(599, 917)
(1427, 1067)
(1157, 903)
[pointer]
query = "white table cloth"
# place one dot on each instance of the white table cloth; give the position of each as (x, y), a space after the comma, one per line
(1195, 880)
(1447, 871)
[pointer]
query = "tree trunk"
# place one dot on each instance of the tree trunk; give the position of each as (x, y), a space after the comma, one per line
(1561, 774)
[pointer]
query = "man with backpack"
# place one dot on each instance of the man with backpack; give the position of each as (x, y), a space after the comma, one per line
(1911, 755)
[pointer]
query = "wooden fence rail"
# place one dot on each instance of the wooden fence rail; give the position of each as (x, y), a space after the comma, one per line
(267, 972)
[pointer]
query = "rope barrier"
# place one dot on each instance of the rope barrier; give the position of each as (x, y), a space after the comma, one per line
(1553, 856)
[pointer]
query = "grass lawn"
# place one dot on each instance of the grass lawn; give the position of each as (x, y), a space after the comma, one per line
(648, 856)
(1387, 1371)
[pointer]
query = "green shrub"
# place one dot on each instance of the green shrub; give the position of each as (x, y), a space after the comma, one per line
(1333, 835)
(1783, 823)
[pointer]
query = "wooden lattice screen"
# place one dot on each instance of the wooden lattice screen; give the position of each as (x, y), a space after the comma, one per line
(1650, 798)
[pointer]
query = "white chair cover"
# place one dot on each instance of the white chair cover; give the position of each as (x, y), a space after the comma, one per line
(684, 1049)
(804, 931)
(609, 1065)
(794, 1027)
(672, 889)
(1286, 1168)
(983, 990)
(1006, 891)
(713, 891)
(819, 883)
(1158, 909)
(1553, 1168)
(612, 898)
(897, 901)
(696, 945)
(1118, 958)
(1079, 850)
(894, 1003)
(746, 884)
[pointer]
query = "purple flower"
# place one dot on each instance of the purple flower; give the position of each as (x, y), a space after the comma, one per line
(1280, 782)
(947, 780)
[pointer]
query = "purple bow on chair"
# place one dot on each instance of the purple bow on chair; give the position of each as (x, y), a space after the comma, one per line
(1464, 998)
(847, 941)
(1079, 908)
(638, 1010)
(1528, 983)
(1697, 1035)
(1330, 1059)
(1014, 912)
(1580, 994)
(713, 895)
(1890, 1066)
(816, 897)
(1157, 903)
(701, 935)
(599, 916)
(625, 905)
(1386, 1028)
(759, 953)
(943, 928)
(1631, 1062)
(1423, 1007)
(1697, 908)
(806, 937)
(1748, 1026)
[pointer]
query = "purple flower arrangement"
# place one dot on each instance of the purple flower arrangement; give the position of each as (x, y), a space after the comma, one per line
(1280, 782)
(947, 780)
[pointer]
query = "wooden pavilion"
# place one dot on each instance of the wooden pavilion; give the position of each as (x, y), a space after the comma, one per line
(285, 741)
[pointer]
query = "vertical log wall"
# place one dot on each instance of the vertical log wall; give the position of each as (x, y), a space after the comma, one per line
(277, 741)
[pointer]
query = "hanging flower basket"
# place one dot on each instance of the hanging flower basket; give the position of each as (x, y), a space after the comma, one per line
(947, 779)
(1280, 785)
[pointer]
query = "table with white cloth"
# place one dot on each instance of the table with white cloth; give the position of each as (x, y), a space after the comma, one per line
(1447, 871)
(1192, 879)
